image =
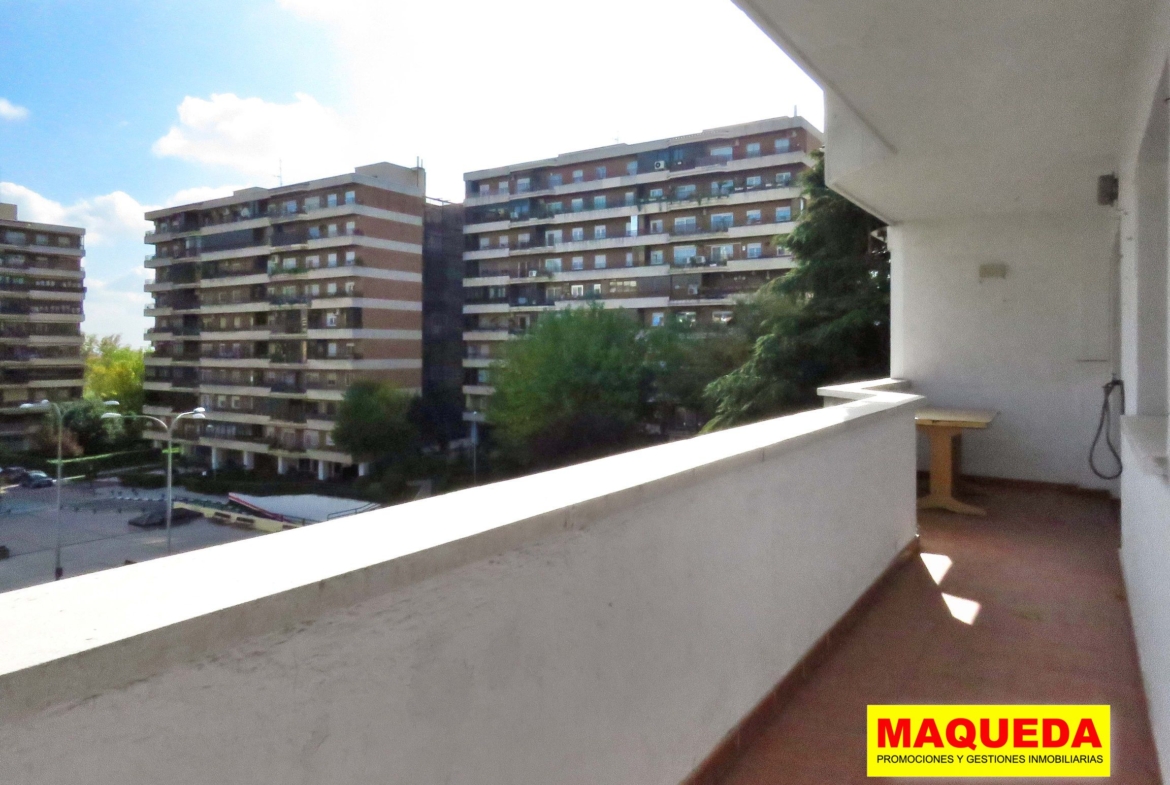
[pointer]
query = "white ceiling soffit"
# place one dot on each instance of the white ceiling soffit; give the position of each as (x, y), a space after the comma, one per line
(988, 107)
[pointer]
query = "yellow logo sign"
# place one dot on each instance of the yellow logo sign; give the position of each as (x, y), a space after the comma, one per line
(987, 741)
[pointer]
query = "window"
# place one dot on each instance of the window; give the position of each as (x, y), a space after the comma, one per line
(577, 290)
(599, 262)
(41, 239)
(484, 189)
(754, 181)
(553, 236)
(523, 185)
(656, 193)
(754, 217)
(578, 175)
(315, 289)
(599, 202)
(599, 232)
(722, 253)
(331, 230)
(755, 250)
(63, 241)
(578, 205)
(721, 221)
(578, 263)
(721, 317)
(350, 197)
(331, 200)
(331, 260)
(314, 232)
(523, 239)
(289, 263)
(503, 241)
(503, 186)
(555, 207)
(485, 242)
(350, 258)
(629, 258)
(684, 192)
(656, 226)
(683, 254)
(552, 265)
(657, 318)
(784, 179)
(657, 256)
(687, 317)
(311, 438)
(632, 167)
(578, 233)
(312, 202)
(351, 227)
(685, 225)
(783, 214)
(555, 179)
(629, 197)
(783, 145)
(595, 290)
(290, 206)
(332, 349)
(331, 288)
(623, 287)
(721, 152)
(753, 150)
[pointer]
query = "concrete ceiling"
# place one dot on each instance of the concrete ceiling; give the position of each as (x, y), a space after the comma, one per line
(985, 106)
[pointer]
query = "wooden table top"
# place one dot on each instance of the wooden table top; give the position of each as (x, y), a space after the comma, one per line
(955, 418)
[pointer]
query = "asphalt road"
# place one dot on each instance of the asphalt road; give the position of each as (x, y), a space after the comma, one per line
(96, 537)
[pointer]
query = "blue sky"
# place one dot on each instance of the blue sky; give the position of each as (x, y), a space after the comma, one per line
(111, 107)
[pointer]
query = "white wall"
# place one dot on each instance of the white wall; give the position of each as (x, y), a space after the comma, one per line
(605, 638)
(1035, 345)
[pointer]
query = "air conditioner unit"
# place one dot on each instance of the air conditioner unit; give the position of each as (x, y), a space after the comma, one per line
(659, 166)
(533, 273)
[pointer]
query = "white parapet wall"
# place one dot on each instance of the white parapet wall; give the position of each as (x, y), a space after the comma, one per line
(608, 622)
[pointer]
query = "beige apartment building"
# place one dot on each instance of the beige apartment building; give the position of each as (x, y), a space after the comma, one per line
(269, 303)
(41, 293)
(680, 226)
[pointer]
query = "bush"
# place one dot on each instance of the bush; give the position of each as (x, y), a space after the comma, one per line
(143, 480)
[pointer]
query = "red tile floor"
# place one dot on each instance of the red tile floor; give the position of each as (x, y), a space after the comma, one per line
(1052, 627)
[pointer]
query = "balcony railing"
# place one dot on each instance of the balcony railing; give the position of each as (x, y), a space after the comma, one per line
(595, 596)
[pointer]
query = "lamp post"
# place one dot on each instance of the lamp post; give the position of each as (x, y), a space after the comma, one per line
(47, 405)
(194, 414)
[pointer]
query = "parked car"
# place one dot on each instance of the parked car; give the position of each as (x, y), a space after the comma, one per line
(13, 474)
(153, 519)
(36, 479)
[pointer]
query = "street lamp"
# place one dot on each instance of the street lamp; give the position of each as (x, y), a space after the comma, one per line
(194, 414)
(47, 405)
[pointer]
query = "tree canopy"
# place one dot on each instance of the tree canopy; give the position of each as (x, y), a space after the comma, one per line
(571, 389)
(828, 320)
(114, 371)
(376, 422)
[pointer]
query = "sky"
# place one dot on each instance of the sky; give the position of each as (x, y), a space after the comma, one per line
(109, 108)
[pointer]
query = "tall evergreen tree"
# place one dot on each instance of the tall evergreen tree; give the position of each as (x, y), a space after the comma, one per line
(826, 321)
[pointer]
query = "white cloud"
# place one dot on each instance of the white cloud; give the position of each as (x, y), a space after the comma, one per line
(260, 138)
(10, 111)
(111, 218)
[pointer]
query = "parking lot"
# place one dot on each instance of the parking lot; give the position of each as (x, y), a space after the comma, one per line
(95, 536)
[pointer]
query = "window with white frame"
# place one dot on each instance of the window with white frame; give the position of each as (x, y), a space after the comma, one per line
(784, 179)
(685, 225)
(312, 202)
(599, 202)
(685, 191)
(753, 150)
(684, 254)
(578, 263)
(783, 144)
(331, 200)
(755, 250)
(630, 198)
(331, 350)
(754, 181)
(332, 230)
(722, 253)
(290, 206)
(351, 227)
(552, 265)
(331, 260)
(632, 167)
(331, 288)
(289, 263)
(523, 185)
(595, 289)
(600, 172)
(723, 151)
(577, 205)
(577, 290)
(599, 262)
(656, 193)
(503, 241)
(553, 236)
(754, 217)
(556, 179)
(599, 232)
(350, 197)
(312, 262)
(578, 175)
(578, 233)
(523, 239)
(721, 221)
(657, 256)
(783, 214)
(657, 226)
(629, 258)
(502, 186)
(485, 242)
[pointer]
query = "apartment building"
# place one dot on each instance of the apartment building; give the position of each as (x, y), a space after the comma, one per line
(41, 293)
(679, 226)
(269, 303)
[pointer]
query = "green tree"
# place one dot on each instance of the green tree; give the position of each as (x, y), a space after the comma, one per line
(826, 321)
(376, 422)
(571, 389)
(86, 433)
(114, 371)
(682, 358)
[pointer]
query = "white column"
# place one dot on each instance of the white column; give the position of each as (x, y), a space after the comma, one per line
(281, 464)
(215, 457)
(322, 470)
(363, 469)
(249, 460)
